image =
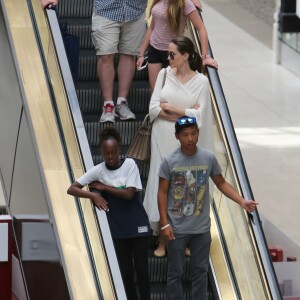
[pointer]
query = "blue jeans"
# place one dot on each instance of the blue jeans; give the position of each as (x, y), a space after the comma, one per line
(199, 245)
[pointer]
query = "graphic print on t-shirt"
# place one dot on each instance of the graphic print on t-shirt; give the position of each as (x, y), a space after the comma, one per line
(189, 189)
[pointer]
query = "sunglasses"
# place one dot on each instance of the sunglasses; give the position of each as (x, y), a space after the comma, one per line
(171, 54)
(186, 120)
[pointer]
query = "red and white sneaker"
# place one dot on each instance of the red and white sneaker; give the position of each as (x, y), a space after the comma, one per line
(108, 114)
(124, 112)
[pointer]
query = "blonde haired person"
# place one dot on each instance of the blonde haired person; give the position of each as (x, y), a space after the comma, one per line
(169, 18)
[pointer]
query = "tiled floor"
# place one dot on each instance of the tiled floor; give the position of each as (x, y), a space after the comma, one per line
(264, 101)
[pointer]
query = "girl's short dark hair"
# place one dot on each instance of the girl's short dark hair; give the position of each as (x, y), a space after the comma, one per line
(185, 45)
(109, 133)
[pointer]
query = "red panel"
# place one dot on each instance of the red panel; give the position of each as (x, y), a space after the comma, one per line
(279, 254)
(273, 253)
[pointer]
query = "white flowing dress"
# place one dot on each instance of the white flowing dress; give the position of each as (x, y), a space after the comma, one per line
(163, 141)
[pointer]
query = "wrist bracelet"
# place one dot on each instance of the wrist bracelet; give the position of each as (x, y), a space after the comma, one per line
(138, 56)
(164, 227)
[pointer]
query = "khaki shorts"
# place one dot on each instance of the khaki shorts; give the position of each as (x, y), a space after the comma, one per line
(117, 37)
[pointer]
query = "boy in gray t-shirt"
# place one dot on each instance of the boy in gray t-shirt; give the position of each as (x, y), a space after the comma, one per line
(183, 202)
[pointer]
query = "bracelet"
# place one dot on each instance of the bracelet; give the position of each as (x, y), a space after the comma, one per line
(164, 227)
(204, 56)
(140, 56)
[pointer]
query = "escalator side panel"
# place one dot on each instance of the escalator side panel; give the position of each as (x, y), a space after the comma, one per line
(49, 152)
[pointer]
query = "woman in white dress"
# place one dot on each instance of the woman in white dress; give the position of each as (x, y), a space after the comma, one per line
(185, 92)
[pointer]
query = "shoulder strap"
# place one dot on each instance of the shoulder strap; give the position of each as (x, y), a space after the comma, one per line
(165, 75)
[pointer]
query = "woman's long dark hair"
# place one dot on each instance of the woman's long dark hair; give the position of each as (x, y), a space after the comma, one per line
(185, 45)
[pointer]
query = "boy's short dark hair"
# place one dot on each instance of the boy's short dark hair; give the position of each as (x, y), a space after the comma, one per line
(184, 122)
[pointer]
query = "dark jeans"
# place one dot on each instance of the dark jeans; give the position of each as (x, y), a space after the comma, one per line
(132, 256)
(199, 245)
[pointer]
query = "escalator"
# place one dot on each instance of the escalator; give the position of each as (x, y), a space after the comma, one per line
(240, 266)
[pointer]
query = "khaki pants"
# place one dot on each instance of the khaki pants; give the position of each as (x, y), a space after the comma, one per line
(117, 37)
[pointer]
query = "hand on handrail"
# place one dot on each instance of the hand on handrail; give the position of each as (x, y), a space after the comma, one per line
(48, 3)
(209, 62)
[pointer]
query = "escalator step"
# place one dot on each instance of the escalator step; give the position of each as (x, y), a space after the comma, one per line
(127, 130)
(164, 296)
(75, 9)
(83, 31)
(158, 268)
(90, 100)
(159, 296)
(88, 69)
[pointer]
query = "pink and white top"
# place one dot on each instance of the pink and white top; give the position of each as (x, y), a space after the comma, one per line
(163, 33)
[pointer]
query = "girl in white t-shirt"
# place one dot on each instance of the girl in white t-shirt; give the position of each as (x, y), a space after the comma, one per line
(169, 18)
(116, 188)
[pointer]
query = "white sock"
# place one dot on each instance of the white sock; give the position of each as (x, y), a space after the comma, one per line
(108, 101)
(120, 100)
